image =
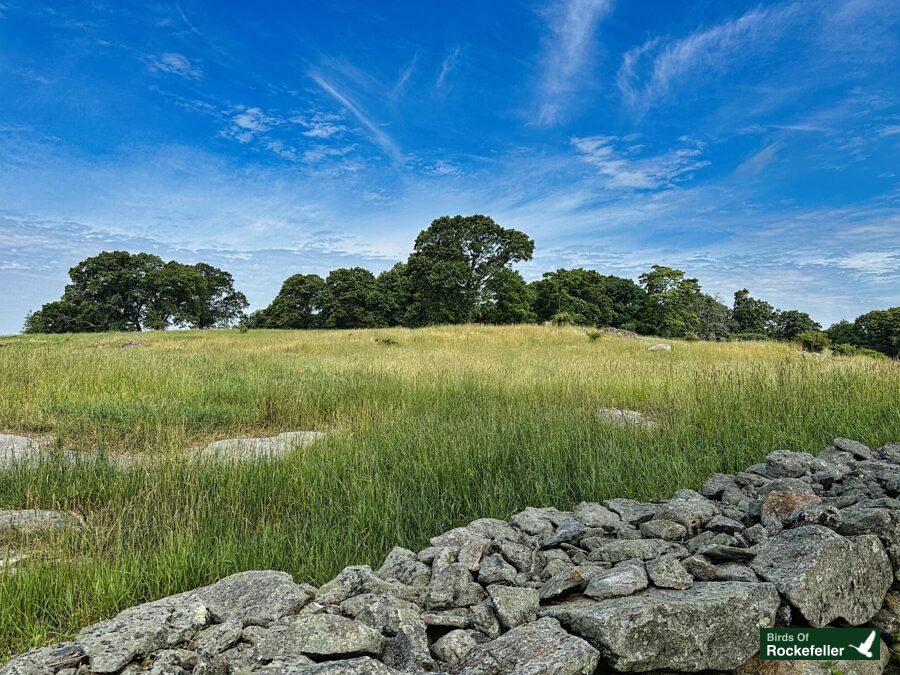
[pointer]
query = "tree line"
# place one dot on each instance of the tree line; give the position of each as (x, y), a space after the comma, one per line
(460, 271)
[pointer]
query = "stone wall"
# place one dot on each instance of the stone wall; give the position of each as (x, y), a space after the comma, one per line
(681, 585)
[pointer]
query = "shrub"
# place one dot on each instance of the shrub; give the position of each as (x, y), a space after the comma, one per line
(691, 336)
(564, 319)
(812, 341)
(843, 349)
(594, 335)
(387, 342)
(871, 353)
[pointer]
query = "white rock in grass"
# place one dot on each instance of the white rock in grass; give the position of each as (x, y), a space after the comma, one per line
(243, 449)
(626, 418)
(18, 449)
(36, 520)
(661, 347)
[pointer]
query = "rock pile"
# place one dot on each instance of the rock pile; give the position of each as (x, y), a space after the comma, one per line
(680, 585)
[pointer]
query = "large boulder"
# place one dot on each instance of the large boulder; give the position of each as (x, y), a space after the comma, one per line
(825, 575)
(318, 635)
(254, 598)
(711, 626)
(538, 647)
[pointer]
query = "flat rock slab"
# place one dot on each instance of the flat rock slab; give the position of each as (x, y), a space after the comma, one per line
(18, 449)
(539, 647)
(825, 575)
(9, 558)
(711, 626)
(36, 520)
(624, 418)
(270, 447)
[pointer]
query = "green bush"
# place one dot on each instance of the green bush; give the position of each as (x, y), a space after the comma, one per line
(812, 341)
(843, 349)
(691, 336)
(594, 335)
(750, 336)
(871, 353)
(564, 319)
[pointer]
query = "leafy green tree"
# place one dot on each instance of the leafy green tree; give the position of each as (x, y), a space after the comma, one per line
(297, 305)
(195, 296)
(790, 323)
(509, 299)
(351, 299)
(880, 330)
(842, 333)
(581, 293)
(751, 315)
(812, 340)
(452, 262)
(394, 294)
(670, 306)
(714, 318)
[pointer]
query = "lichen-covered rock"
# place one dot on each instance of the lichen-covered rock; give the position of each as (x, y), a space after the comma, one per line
(824, 575)
(624, 549)
(254, 598)
(249, 449)
(453, 647)
(494, 569)
(593, 514)
(45, 660)
(385, 613)
(711, 626)
(538, 647)
(453, 587)
(402, 565)
(668, 572)
(623, 579)
(513, 606)
(317, 635)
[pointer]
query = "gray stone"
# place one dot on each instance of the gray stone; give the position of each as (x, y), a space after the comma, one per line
(593, 514)
(690, 509)
(824, 575)
(513, 606)
(364, 665)
(458, 617)
(453, 647)
(407, 650)
(663, 529)
(716, 484)
(711, 626)
(643, 549)
(787, 464)
(535, 648)
(732, 571)
(249, 449)
(621, 580)
(28, 521)
(723, 524)
(888, 617)
(721, 552)
(565, 582)
(700, 567)
(318, 635)
(254, 598)
(361, 579)
(137, 632)
(401, 565)
(384, 613)
(661, 347)
(626, 418)
(539, 522)
(453, 587)
(631, 511)
(855, 448)
(494, 569)
(565, 534)
(668, 572)
(45, 660)
(219, 638)
(16, 450)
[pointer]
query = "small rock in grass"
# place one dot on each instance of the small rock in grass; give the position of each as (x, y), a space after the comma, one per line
(661, 347)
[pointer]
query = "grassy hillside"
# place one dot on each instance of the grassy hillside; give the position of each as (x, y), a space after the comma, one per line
(429, 429)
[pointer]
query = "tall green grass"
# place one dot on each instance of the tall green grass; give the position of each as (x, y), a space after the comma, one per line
(448, 425)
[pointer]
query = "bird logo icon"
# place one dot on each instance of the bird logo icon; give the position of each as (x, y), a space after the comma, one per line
(866, 647)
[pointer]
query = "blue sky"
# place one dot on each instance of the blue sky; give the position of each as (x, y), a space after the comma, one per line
(751, 144)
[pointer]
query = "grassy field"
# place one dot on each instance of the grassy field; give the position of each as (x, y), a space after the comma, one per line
(428, 430)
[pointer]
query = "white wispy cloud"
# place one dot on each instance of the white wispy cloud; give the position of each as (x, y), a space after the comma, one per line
(447, 66)
(759, 160)
(871, 262)
(377, 134)
(623, 167)
(890, 130)
(650, 70)
(443, 168)
(248, 123)
(173, 63)
(405, 76)
(320, 152)
(566, 53)
(320, 125)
